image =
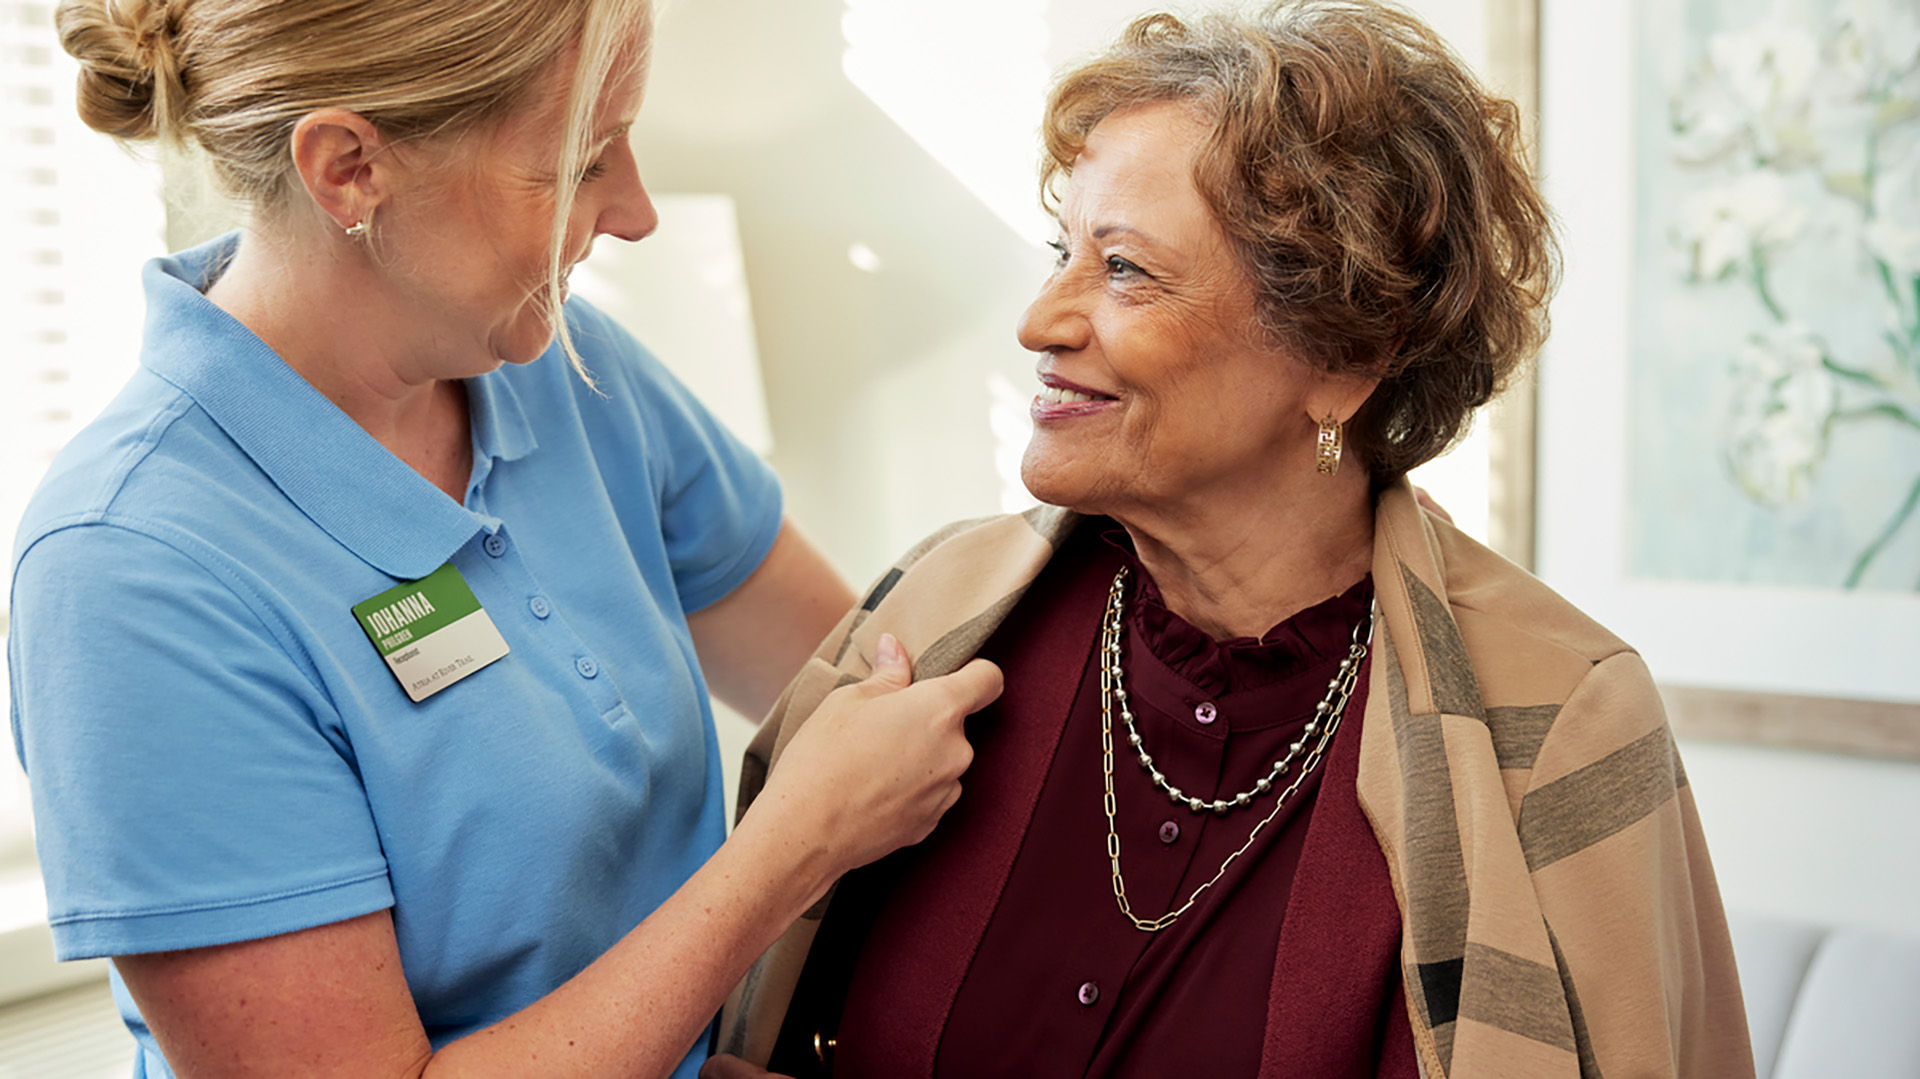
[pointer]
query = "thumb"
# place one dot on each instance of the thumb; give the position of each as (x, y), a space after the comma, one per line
(891, 668)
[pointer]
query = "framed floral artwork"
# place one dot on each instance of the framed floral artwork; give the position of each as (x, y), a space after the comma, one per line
(1729, 407)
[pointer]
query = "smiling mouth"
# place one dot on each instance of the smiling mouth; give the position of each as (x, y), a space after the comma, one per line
(1060, 395)
(1055, 390)
(1059, 399)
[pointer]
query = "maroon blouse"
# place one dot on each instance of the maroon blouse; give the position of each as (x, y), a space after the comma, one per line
(1291, 957)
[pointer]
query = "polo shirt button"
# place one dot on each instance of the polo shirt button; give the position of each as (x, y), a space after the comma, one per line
(586, 666)
(1169, 831)
(496, 544)
(1089, 994)
(1205, 712)
(539, 606)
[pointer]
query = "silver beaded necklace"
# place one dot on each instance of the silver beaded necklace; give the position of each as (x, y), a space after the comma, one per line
(1325, 721)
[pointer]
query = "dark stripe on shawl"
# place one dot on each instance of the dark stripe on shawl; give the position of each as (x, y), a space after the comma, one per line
(1516, 995)
(881, 588)
(1518, 731)
(1449, 672)
(1436, 884)
(1573, 813)
(1440, 984)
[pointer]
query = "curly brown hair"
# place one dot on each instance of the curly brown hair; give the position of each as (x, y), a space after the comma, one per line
(1378, 197)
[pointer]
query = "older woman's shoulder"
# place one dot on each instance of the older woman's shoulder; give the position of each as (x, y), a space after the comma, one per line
(1483, 584)
(1528, 645)
(993, 535)
(972, 566)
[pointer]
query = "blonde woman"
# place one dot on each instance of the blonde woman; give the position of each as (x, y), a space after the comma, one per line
(360, 650)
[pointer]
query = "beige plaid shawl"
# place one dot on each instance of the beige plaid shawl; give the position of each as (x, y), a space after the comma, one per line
(1559, 914)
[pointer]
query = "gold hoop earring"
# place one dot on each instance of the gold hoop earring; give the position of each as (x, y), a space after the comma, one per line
(1328, 446)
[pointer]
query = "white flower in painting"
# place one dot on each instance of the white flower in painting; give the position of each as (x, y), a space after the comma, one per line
(1720, 227)
(1893, 232)
(1877, 47)
(1777, 413)
(1753, 90)
(1705, 120)
(1769, 66)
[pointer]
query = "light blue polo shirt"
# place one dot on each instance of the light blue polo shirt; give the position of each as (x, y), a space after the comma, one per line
(216, 750)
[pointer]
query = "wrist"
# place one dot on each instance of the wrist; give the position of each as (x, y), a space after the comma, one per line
(801, 864)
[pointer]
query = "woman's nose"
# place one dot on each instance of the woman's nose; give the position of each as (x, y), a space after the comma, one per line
(1053, 322)
(630, 214)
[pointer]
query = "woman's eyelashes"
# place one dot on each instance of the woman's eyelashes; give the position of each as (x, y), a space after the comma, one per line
(594, 171)
(1118, 268)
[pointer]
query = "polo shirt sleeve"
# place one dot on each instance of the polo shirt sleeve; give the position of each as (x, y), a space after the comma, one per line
(720, 504)
(189, 787)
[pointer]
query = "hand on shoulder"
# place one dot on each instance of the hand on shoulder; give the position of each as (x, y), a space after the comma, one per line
(880, 762)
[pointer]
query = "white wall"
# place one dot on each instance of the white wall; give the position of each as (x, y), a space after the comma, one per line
(1811, 835)
(876, 380)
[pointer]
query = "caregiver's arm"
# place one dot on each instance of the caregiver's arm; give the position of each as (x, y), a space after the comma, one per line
(755, 638)
(874, 770)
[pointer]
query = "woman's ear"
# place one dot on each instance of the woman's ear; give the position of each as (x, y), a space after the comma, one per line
(342, 164)
(1340, 396)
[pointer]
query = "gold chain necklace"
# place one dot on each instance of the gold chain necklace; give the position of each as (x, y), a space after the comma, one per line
(1327, 717)
(1322, 714)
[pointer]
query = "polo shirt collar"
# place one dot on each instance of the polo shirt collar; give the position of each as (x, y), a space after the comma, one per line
(344, 480)
(500, 428)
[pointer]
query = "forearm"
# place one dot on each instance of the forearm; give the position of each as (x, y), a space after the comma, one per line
(873, 769)
(754, 639)
(637, 1009)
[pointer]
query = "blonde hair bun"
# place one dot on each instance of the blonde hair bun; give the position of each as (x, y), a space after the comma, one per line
(129, 73)
(233, 77)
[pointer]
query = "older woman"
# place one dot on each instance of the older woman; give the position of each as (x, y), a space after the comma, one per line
(1290, 777)
(360, 649)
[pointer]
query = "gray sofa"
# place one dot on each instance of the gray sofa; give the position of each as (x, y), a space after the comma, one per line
(1827, 1003)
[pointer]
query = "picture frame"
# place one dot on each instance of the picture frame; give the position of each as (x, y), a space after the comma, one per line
(1513, 72)
(1825, 668)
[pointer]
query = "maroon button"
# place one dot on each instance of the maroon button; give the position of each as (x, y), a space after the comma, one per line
(1205, 712)
(1169, 831)
(1089, 994)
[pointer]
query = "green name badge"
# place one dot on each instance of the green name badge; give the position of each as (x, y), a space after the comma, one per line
(432, 632)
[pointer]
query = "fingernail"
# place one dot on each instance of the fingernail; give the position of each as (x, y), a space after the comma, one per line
(888, 651)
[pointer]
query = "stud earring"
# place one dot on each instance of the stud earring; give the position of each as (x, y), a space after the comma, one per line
(358, 228)
(1328, 446)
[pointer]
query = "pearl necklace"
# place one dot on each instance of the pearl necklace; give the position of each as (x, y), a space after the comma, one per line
(1326, 720)
(1325, 712)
